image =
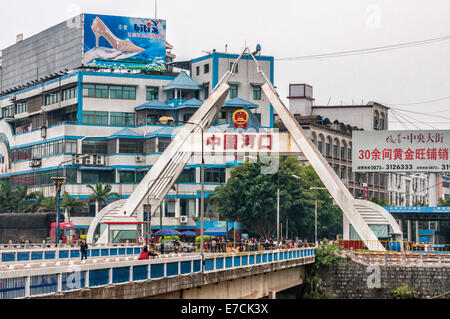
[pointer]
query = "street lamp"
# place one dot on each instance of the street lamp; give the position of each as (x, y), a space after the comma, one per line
(165, 120)
(59, 180)
(315, 212)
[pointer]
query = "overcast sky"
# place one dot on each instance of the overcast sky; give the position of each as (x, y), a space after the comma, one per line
(293, 28)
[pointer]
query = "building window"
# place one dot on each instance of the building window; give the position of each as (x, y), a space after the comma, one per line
(187, 207)
(257, 93)
(215, 175)
(52, 98)
(328, 149)
(188, 176)
(93, 177)
(258, 116)
(236, 70)
(197, 70)
(127, 177)
(152, 119)
(206, 92)
(122, 92)
(8, 111)
(342, 152)
(94, 147)
(206, 68)
(96, 118)
(71, 147)
(131, 146)
(21, 107)
(163, 142)
(187, 117)
(169, 208)
(152, 93)
(335, 151)
(122, 119)
(375, 123)
(233, 91)
(95, 90)
(320, 146)
(69, 94)
(349, 157)
(150, 146)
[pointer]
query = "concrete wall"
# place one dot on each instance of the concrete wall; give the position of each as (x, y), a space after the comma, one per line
(350, 280)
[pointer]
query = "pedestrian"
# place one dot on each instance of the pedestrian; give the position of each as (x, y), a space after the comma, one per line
(213, 245)
(177, 246)
(83, 249)
(162, 244)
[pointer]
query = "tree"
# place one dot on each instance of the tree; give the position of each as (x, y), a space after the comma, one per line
(71, 204)
(23, 201)
(381, 202)
(47, 204)
(250, 197)
(444, 225)
(100, 194)
(6, 197)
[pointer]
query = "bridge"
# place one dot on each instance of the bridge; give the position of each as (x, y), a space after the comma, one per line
(115, 272)
(163, 174)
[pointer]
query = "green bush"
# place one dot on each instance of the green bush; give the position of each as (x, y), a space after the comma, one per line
(170, 238)
(404, 292)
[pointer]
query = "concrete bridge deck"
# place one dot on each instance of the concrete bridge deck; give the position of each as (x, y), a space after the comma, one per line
(113, 276)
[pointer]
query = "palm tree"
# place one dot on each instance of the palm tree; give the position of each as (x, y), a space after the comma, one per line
(23, 201)
(71, 204)
(100, 194)
(6, 197)
(48, 204)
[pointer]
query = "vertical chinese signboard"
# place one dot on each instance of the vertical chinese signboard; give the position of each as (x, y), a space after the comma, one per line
(124, 42)
(401, 151)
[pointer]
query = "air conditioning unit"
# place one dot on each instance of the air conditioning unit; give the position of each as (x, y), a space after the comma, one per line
(100, 160)
(35, 162)
(89, 160)
(78, 159)
(183, 219)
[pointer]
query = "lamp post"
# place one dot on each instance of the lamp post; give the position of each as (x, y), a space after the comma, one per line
(315, 212)
(165, 120)
(59, 180)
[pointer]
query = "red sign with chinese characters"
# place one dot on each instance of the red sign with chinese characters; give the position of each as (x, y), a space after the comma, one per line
(401, 151)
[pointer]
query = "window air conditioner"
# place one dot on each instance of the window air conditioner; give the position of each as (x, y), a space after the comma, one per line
(100, 160)
(183, 219)
(35, 162)
(89, 160)
(77, 160)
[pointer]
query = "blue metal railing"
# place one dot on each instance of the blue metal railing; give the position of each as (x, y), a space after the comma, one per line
(65, 253)
(95, 275)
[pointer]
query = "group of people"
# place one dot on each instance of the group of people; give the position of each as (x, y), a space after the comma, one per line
(221, 245)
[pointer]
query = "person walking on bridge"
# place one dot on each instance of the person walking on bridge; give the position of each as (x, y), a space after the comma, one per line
(83, 250)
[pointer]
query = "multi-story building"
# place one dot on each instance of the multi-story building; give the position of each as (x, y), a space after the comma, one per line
(112, 116)
(408, 189)
(330, 129)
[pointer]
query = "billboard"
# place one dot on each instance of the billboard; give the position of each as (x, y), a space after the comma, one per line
(401, 151)
(124, 42)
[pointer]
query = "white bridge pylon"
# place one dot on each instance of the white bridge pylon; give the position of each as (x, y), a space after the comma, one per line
(163, 174)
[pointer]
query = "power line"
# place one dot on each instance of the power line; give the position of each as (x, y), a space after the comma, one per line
(407, 120)
(424, 102)
(420, 113)
(367, 50)
(410, 117)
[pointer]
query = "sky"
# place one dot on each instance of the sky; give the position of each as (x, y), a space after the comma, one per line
(413, 79)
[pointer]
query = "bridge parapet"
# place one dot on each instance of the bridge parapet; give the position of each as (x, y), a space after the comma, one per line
(60, 279)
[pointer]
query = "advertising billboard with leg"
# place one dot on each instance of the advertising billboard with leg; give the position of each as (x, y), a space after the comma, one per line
(124, 42)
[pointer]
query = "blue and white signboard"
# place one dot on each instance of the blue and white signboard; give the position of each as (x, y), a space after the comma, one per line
(124, 42)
